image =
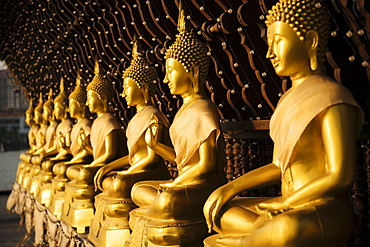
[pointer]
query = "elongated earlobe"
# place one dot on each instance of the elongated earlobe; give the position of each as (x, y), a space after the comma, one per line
(314, 63)
(146, 92)
(195, 78)
(312, 38)
(105, 103)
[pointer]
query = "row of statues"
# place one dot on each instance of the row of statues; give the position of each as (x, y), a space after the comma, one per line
(94, 176)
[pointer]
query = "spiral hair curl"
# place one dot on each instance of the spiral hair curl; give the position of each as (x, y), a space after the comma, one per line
(79, 93)
(303, 16)
(100, 85)
(140, 70)
(188, 49)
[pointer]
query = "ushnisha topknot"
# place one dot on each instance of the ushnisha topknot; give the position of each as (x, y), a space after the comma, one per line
(140, 70)
(188, 49)
(38, 108)
(303, 16)
(79, 93)
(62, 98)
(49, 102)
(101, 86)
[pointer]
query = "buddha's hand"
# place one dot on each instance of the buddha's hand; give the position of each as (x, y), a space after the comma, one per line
(274, 206)
(151, 134)
(214, 203)
(98, 178)
(43, 140)
(62, 140)
(82, 139)
(166, 186)
(230, 240)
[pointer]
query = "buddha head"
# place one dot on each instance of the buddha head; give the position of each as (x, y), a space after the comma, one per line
(297, 36)
(187, 61)
(61, 102)
(99, 92)
(29, 115)
(77, 100)
(138, 78)
(48, 107)
(38, 115)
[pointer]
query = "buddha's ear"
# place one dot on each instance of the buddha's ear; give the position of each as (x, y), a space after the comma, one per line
(105, 103)
(145, 91)
(312, 40)
(195, 77)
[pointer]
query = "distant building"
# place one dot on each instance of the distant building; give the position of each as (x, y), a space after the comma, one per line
(13, 103)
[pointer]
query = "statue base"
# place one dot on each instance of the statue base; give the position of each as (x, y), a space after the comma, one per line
(43, 194)
(211, 241)
(110, 221)
(78, 208)
(110, 238)
(25, 180)
(33, 185)
(57, 196)
(190, 232)
(56, 203)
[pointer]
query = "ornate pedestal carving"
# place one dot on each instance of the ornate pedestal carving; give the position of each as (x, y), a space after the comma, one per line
(78, 208)
(156, 233)
(110, 227)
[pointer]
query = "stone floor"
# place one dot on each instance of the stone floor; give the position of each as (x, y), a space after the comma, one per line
(11, 233)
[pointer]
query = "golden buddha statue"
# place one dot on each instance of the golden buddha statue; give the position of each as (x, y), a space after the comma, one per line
(49, 148)
(314, 129)
(62, 143)
(170, 212)
(46, 145)
(24, 175)
(77, 110)
(32, 133)
(107, 143)
(110, 226)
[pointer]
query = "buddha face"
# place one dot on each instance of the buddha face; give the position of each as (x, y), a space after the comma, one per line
(95, 104)
(28, 118)
(288, 54)
(59, 111)
(179, 81)
(47, 113)
(75, 110)
(38, 117)
(131, 92)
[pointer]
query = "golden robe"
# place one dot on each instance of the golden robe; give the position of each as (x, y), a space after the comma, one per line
(299, 106)
(101, 128)
(85, 124)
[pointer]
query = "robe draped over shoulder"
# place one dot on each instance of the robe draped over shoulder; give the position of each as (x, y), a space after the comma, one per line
(101, 128)
(85, 124)
(50, 135)
(299, 106)
(63, 128)
(193, 124)
(140, 123)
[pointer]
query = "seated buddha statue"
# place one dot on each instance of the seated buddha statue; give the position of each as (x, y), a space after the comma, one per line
(32, 134)
(62, 143)
(110, 223)
(314, 129)
(170, 212)
(77, 110)
(24, 173)
(49, 149)
(25, 157)
(107, 143)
